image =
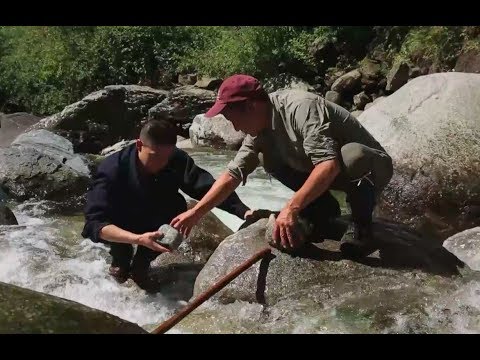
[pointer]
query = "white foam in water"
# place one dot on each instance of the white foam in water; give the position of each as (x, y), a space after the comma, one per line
(459, 312)
(33, 257)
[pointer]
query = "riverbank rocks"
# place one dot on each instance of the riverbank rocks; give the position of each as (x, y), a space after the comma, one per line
(430, 128)
(42, 165)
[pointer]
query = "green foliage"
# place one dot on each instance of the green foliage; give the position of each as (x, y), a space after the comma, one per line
(255, 50)
(471, 36)
(44, 68)
(38, 66)
(437, 45)
(301, 44)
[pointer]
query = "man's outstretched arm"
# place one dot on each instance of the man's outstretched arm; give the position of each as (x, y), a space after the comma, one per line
(239, 168)
(116, 234)
(218, 193)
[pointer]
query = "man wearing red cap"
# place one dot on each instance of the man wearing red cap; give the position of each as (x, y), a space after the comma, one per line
(310, 145)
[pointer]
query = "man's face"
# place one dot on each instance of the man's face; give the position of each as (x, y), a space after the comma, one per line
(245, 117)
(154, 157)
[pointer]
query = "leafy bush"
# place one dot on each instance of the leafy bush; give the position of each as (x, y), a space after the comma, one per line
(42, 69)
(436, 45)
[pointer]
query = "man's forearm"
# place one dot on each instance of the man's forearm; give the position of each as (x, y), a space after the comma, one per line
(219, 192)
(316, 184)
(115, 234)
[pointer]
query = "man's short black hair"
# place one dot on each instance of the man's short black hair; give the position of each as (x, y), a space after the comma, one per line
(158, 132)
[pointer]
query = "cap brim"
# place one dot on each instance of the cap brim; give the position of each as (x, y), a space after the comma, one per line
(215, 109)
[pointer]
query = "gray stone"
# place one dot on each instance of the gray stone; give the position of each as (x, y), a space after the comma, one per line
(202, 240)
(171, 239)
(13, 125)
(42, 165)
(104, 117)
(216, 132)
(430, 128)
(347, 82)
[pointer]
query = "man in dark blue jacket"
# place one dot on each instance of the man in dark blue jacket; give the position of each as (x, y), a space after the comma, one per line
(136, 190)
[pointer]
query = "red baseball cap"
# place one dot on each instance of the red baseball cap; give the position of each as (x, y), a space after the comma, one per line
(236, 88)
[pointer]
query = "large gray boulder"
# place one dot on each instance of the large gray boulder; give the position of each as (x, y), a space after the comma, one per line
(431, 130)
(12, 125)
(104, 117)
(7, 217)
(216, 132)
(24, 311)
(182, 105)
(42, 165)
(316, 264)
(318, 290)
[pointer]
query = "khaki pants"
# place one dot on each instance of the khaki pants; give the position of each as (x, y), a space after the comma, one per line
(364, 174)
(359, 161)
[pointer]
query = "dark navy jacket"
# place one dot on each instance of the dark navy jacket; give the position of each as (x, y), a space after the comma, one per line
(119, 195)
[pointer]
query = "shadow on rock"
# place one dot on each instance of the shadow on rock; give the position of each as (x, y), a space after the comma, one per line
(399, 247)
(175, 281)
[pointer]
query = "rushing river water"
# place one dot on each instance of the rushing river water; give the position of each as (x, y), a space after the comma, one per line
(46, 253)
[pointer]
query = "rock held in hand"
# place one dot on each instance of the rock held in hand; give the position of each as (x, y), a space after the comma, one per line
(171, 239)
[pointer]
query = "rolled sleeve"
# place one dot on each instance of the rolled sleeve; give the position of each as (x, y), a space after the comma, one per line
(245, 161)
(318, 142)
